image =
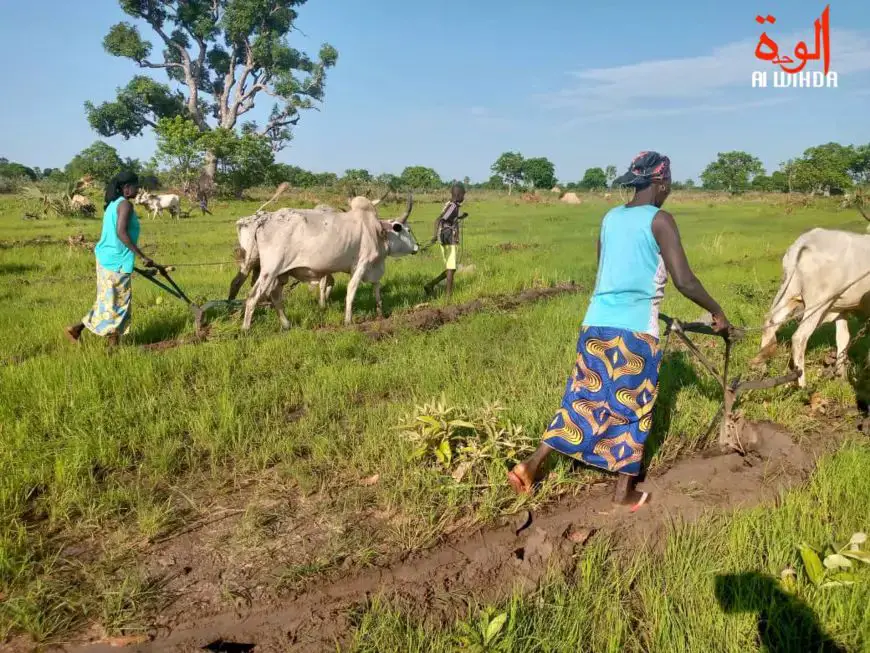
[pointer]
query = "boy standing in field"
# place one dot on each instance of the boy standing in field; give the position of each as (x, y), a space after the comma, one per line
(447, 234)
(203, 202)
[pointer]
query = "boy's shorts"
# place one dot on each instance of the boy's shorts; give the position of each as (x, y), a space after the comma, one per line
(448, 252)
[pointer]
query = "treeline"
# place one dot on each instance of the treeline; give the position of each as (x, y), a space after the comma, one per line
(245, 161)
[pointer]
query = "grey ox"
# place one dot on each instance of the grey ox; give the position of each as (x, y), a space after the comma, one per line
(826, 276)
(311, 245)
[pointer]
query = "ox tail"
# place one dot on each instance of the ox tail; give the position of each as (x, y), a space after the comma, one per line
(280, 191)
(787, 301)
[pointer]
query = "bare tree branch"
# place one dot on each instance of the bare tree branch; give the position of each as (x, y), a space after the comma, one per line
(229, 120)
(186, 66)
(148, 64)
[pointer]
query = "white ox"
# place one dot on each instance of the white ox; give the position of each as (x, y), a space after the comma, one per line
(826, 276)
(311, 245)
(159, 203)
(249, 260)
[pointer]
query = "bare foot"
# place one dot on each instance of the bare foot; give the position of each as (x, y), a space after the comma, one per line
(520, 479)
(73, 333)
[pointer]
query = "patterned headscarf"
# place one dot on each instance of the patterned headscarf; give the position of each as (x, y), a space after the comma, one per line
(646, 168)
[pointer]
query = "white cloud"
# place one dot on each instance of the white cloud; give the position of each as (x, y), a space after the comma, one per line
(629, 114)
(679, 84)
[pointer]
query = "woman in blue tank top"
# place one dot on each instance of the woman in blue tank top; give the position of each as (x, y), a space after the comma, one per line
(606, 411)
(115, 254)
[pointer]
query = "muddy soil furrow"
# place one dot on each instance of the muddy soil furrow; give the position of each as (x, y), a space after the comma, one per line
(420, 318)
(491, 562)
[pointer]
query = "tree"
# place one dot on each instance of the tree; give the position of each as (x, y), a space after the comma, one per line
(859, 169)
(732, 171)
(100, 161)
(358, 176)
(594, 179)
(539, 172)
(388, 179)
(223, 54)
(293, 175)
(180, 147)
(494, 183)
(420, 178)
(779, 182)
(243, 161)
(824, 169)
(610, 174)
(509, 166)
(762, 183)
(689, 184)
(12, 170)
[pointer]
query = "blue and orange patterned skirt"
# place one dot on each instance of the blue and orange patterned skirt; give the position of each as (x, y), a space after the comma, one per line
(113, 306)
(606, 413)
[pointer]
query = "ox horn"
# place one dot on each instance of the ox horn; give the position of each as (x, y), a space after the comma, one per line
(407, 213)
(281, 190)
(381, 198)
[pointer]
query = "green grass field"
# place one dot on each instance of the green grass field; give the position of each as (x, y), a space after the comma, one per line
(103, 454)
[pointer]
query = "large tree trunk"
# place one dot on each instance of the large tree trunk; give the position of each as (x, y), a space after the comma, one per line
(210, 168)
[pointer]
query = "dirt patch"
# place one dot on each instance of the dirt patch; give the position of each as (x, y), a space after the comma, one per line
(426, 318)
(72, 241)
(490, 563)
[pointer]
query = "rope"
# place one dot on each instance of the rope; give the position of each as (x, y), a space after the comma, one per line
(192, 265)
(750, 329)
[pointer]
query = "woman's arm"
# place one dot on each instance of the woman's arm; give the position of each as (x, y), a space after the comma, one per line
(124, 211)
(664, 228)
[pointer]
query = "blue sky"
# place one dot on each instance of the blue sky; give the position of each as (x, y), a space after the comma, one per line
(452, 84)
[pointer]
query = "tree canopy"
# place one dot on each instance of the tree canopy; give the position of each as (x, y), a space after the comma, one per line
(539, 172)
(220, 56)
(420, 178)
(732, 171)
(594, 179)
(99, 160)
(509, 166)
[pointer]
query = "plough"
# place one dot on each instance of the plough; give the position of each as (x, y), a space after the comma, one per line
(173, 289)
(730, 428)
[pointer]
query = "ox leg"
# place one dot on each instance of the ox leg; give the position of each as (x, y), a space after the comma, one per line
(277, 297)
(842, 345)
(263, 286)
(325, 288)
(778, 314)
(799, 342)
(352, 286)
(379, 304)
(330, 284)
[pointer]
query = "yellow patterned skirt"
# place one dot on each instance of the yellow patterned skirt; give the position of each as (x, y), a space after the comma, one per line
(606, 412)
(113, 307)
